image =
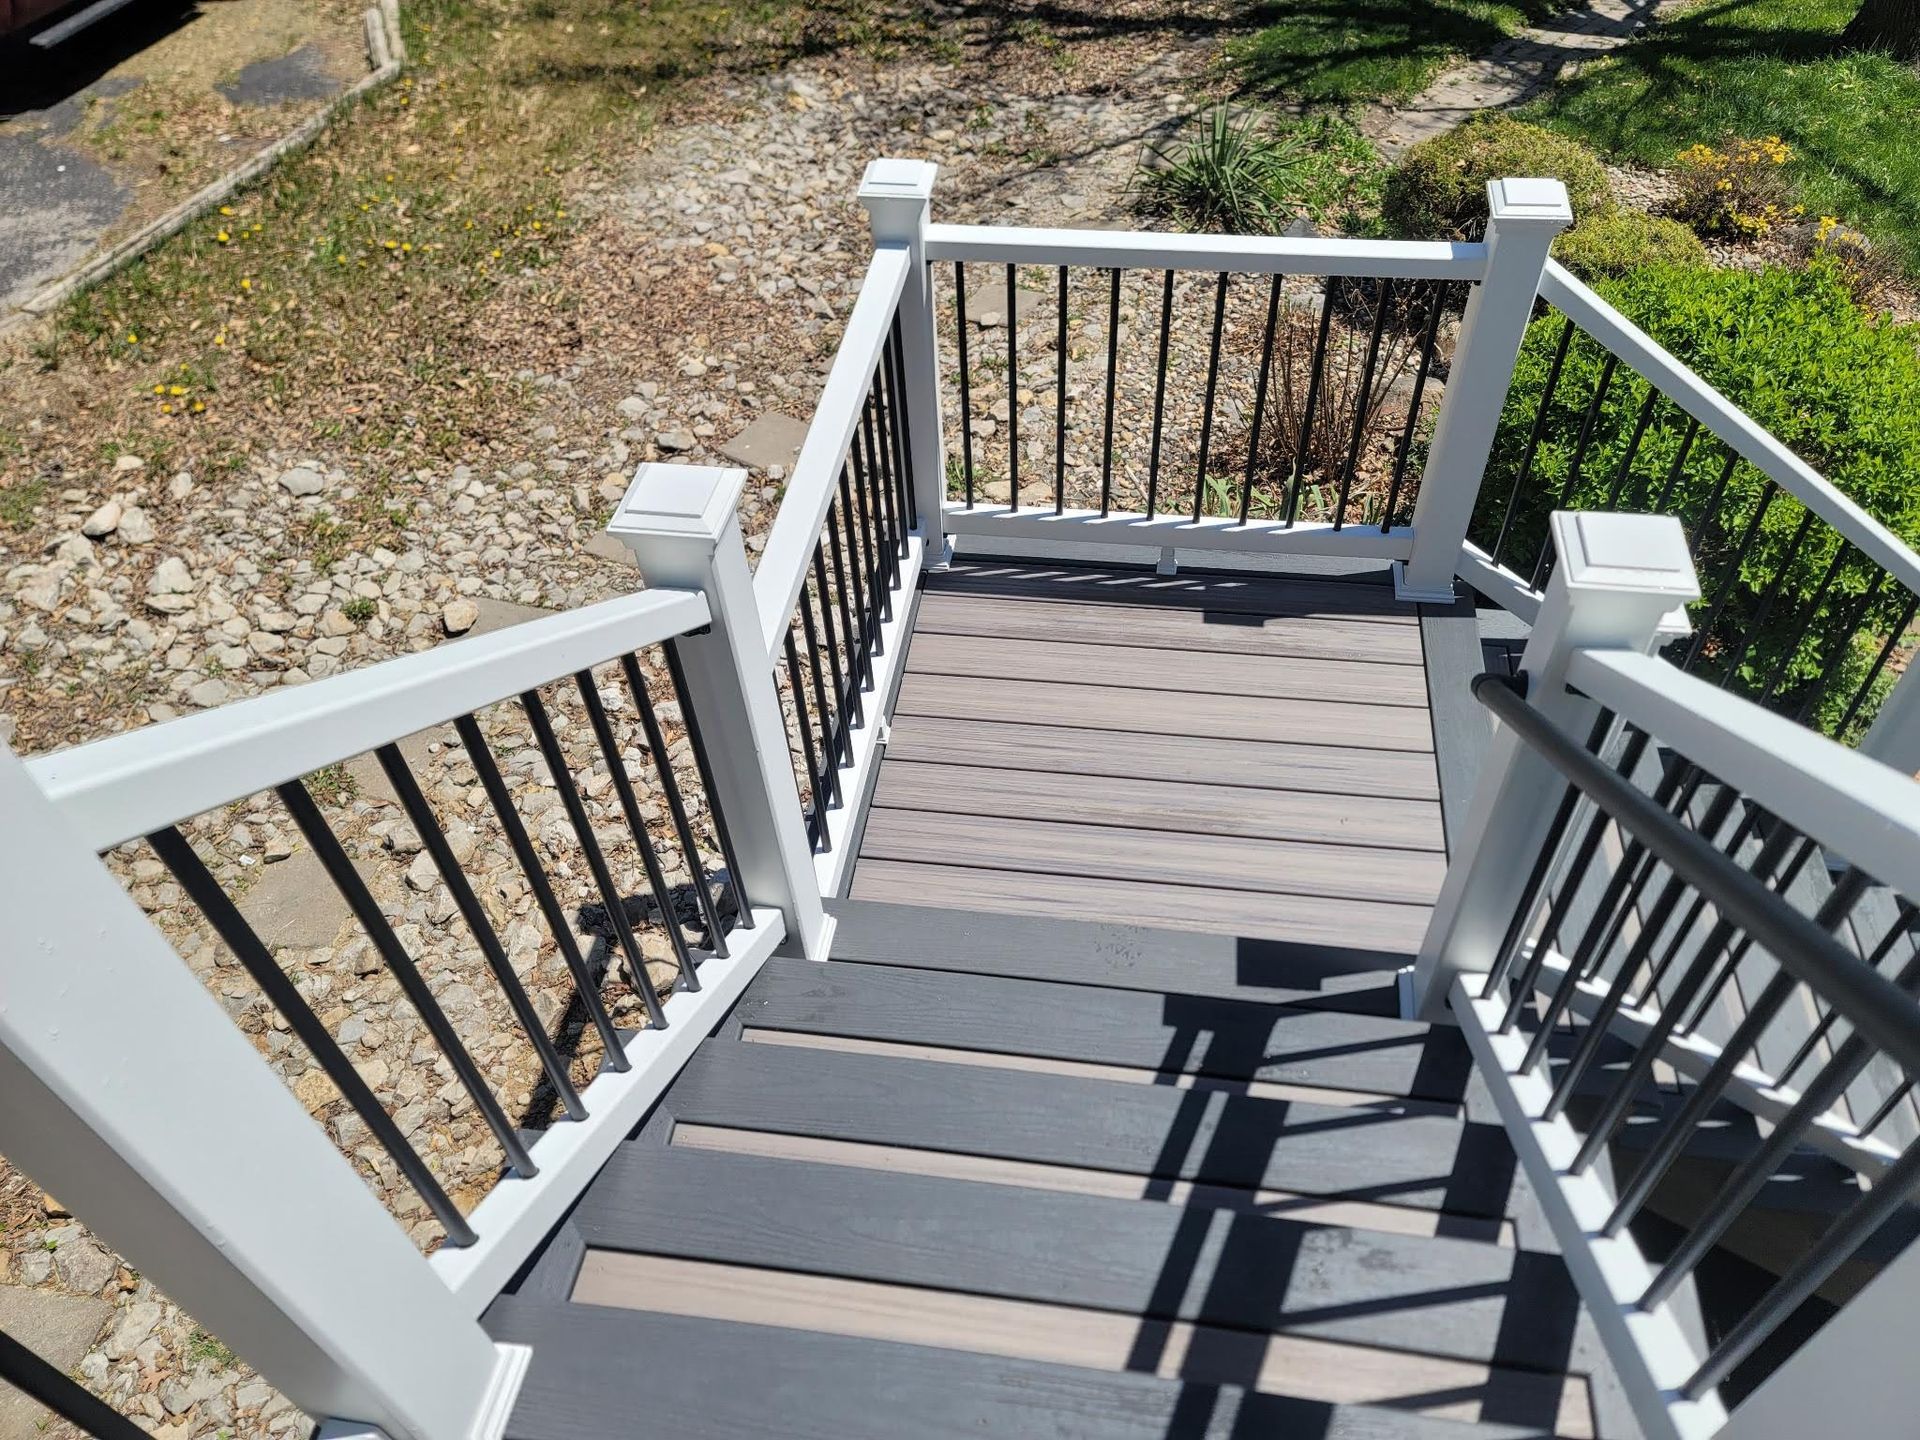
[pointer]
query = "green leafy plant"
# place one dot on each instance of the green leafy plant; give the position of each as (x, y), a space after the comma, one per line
(1227, 174)
(1438, 191)
(1614, 244)
(1838, 386)
(1738, 189)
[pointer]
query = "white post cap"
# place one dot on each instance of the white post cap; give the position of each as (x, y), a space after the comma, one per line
(1517, 201)
(679, 500)
(1619, 554)
(892, 178)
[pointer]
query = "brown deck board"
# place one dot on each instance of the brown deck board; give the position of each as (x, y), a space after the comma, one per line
(1239, 755)
(1170, 627)
(1393, 931)
(1115, 663)
(1114, 852)
(1208, 811)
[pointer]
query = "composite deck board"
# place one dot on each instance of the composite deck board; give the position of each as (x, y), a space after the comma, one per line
(1116, 707)
(1113, 662)
(1341, 637)
(1197, 1035)
(1076, 753)
(1222, 594)
(1422, 1161)
(1423, 1295)
(1123, 957)
(1377, 934)
(1168, 805)
(1071, 846)
(598, 1371)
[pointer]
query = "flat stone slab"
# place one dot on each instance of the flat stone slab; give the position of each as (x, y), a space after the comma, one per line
(293, 904)
(772, 439)
(300, 74)
(60, 1329)
(986, 307)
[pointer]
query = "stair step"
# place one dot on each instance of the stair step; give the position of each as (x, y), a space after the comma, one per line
(1232, 1039)
(1121, 957)
(1442, 1297)
(595, 1369)
(1378, 1153)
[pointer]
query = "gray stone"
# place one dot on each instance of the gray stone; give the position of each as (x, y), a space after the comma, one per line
(135, 1325)
(58, 1328)
(135, 528)
(674, 441)
(987, 305)
(603, 546)
(771, 440)
(83, 1266)
(170, 591)
(302, 480)
(460, 616)
(209, 693)
(103, 521)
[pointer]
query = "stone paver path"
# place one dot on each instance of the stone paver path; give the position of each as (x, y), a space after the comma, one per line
(1512, 73)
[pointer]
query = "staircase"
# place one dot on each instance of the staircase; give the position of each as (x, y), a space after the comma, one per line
(989, 1175)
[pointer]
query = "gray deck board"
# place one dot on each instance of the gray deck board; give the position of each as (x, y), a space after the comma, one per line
(1192, 590)
(1425, 1161)
(1421, 1294)
(597, 1372)
(1121, 957)
(1191, 1035)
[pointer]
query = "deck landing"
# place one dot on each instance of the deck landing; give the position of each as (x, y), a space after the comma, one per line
(1241, 755)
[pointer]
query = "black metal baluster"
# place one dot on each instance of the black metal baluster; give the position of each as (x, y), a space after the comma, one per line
(1113, 368)
(346, 879)
(966, 395)
(849, 706)
(1633, 448)
(1543, 561)
(1886, 1107)
(880, 485)
(676, 805)
(816, 800)
(1260, 395)
(281, 993)
(879, 603)
(585, 984)
(1679, 463)
(1791, 652)
(1830, 1014)
(689, 717)
(1060, 405)
(1894, 636)
(1213, 381)
(1422, 369)
(1314, 378)
(1383, 296)
(1533, 442)
(1756, 622)
(1013, 393)
(1159, 394)
(1849, 627)
(1710, 515)
(835, 740)
(1730, 576)
(897, 395)
(26, 1372)
(610, 898)
(636, 822)
(427, 826)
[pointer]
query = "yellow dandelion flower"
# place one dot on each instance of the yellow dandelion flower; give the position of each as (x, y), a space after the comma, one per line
(176, 389)
(496, 254)
(226, 209)
(391, 244)
(132, 339)
(246, 282)
(198, 406)
(407, 247)
(165, 408)
(223, 237)
(220, 339)
(159, 389)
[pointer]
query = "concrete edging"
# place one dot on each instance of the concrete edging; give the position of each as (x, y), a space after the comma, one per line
(386, 50)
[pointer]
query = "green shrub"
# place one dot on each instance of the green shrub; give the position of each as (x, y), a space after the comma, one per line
(1225, 174)
(1840, 387)
(1438, 191)
(1626, 239)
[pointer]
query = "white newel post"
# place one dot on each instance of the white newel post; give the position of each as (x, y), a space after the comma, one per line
(683, 526)
(1523, 217)
(1618, 582)
(131, 1095)
(1894, 738)
(898, 195)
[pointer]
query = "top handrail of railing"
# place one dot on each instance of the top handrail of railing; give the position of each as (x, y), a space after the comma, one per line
(130, 785)
(1859, 809)
(1871, 1003)
(1239, 254)
(1740, 431)
(783, 564)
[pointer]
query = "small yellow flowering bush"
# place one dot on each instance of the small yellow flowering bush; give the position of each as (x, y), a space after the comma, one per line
(1738, 190)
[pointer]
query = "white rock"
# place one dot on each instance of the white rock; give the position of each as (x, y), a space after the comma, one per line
(103, 521)
(181, 485)
(129, 462)
(135, 527)
(210, 692)
(673, 441)
(302, 481)
(459, 616)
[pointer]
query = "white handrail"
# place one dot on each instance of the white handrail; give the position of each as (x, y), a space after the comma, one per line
(1738, 429)
(1241, 254)
(1856, 807)
(816, 473)
(130, 785)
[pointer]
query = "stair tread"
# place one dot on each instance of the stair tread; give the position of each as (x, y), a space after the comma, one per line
(1378, 1152)
(1437, 1296)
(595, 1369)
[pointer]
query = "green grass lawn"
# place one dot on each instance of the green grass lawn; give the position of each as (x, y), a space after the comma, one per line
(1340, 51)
(1763, 67)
